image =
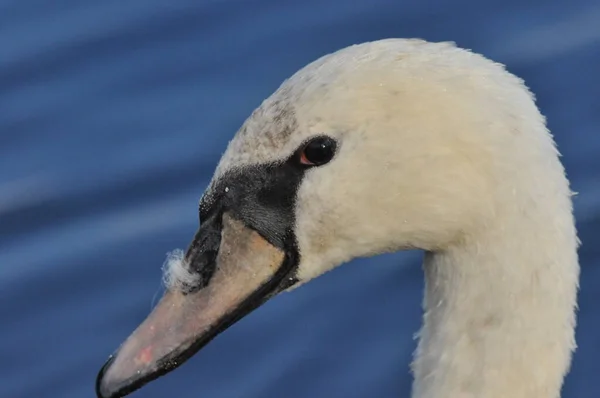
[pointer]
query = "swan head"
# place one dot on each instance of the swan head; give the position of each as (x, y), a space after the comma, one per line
(379, 147)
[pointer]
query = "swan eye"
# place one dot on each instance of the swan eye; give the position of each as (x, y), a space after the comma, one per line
(318, 151)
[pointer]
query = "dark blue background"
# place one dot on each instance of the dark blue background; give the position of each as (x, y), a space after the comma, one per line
(113, 115)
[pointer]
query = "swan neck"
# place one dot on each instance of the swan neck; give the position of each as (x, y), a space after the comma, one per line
(499, 314)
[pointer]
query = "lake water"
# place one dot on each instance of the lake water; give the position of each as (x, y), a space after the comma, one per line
(113, 115)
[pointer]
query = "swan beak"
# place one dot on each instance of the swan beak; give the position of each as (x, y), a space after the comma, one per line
(246, 272)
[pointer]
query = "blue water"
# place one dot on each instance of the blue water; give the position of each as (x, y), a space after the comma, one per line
(112, 117)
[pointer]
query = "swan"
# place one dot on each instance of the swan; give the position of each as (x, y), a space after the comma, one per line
(384, 146)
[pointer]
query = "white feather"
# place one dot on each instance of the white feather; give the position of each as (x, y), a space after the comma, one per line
(176, 273)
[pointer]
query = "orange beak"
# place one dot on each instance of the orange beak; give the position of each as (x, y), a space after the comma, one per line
(247, 271)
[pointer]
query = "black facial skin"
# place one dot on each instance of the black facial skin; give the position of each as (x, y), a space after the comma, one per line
(263, 198)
